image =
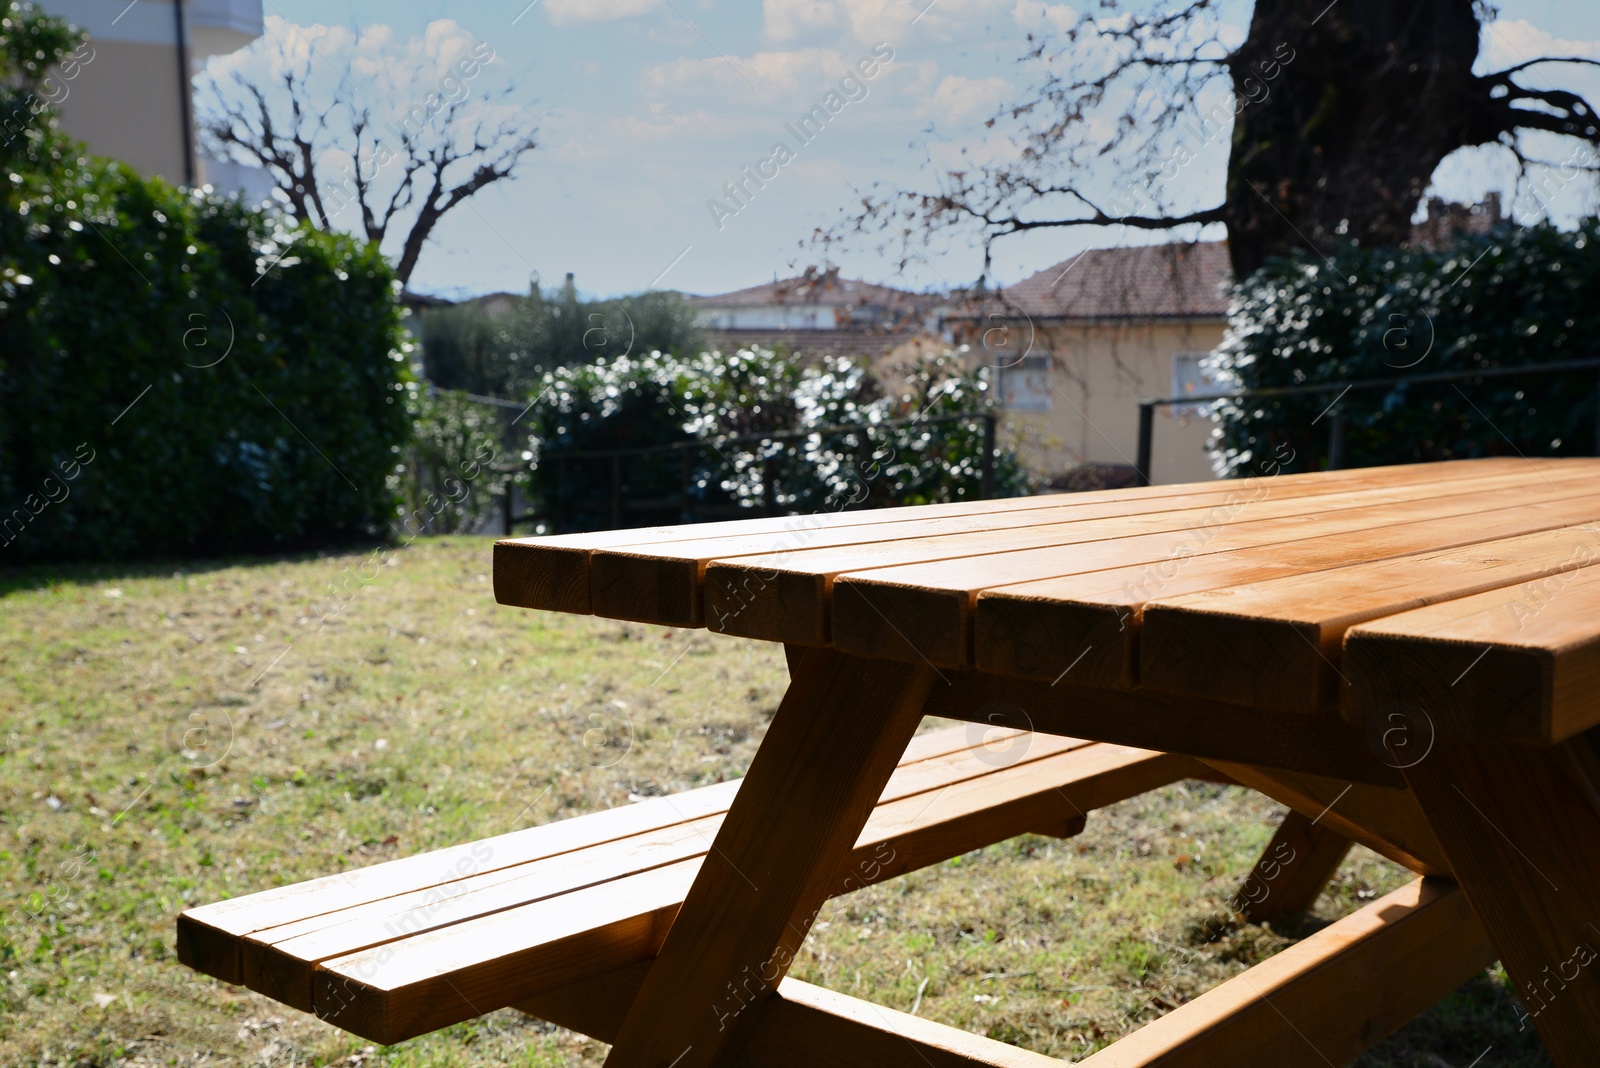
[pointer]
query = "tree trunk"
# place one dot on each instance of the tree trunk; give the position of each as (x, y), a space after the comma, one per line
(1369, 96)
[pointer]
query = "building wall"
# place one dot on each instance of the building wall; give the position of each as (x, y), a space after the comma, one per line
(125, 103)
(1097, 374)
(126, 99)
(771, 317)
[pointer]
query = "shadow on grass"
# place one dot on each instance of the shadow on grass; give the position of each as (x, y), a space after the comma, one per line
(1476, 1026)
(38, 576)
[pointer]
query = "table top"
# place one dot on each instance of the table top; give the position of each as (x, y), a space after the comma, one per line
(1461, 588)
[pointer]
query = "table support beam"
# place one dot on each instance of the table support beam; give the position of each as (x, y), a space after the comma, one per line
(1292, 871)
(831, 747)
(1387, 821)
(1520, 825)
(1322, 1001)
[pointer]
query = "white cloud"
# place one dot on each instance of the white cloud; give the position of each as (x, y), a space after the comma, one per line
(1038, 15)
(871, 21)
(784, 20)
(802, 71)
(958, 99)
(570, 12)
(1507, 42)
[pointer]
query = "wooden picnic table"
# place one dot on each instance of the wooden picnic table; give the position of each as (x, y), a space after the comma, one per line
(1407, 655)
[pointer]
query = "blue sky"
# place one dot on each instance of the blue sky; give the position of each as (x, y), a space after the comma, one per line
(647, 107)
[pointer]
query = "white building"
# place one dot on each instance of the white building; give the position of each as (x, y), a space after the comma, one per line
(130, 93)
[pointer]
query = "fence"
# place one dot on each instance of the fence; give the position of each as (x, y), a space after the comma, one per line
(1336, 426)
(684, 502)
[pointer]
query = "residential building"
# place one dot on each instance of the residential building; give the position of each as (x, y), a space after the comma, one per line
(1075, 348)
(816, 312)
(131, 94)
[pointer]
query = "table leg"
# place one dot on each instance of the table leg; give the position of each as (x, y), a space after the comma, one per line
(831, 747)
(1292, 871)
(1521, 827)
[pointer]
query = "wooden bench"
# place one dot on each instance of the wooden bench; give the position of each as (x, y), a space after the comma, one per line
(399, 949)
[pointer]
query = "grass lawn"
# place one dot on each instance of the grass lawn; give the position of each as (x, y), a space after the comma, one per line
(176, 736)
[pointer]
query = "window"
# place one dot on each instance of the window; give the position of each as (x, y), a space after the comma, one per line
(1189, 377)
(1024, 383)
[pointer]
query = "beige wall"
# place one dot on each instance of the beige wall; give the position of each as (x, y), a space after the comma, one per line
(124, 102)
(1098, 375)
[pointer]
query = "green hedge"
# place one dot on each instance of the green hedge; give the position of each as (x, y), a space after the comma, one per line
(179, 374)
(1515, 296)
(117, 290)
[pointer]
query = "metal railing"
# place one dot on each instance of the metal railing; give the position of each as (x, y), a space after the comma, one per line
(693, 511)
(1336, 427)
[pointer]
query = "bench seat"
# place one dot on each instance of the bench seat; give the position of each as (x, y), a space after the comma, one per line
(399, 949)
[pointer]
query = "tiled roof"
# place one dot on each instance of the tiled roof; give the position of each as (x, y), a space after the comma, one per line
(824, 288)
(1143, 282)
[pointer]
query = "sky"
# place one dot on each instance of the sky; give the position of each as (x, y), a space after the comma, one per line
(646, 108)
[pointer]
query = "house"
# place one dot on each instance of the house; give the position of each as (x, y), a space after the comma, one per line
(129, 93)
(815, 312)
(1075, 348)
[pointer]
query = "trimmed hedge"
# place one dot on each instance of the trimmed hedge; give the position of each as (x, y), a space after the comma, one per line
(1515, 296)
(267, 394)
(179, 374)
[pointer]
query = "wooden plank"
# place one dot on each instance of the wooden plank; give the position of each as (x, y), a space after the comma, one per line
(1293, 870)
(1328, 998)
(973, 803)
(281, 962)
(659, 582)
(277, 959)
(806, 1026)
(1385, 820)
(209, 936)
(1520, 825)
(1277, 644)
(553, 572)
(825, 760)
(1037, 629)
(801, 1024)
(1517, 664)
(1210, 730)
(1052, 797)
(1342, 990)
(785, 596)
(926, 610)
(409, 986)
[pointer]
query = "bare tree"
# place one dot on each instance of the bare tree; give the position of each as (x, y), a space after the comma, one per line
(402, 139)
(1336, 115)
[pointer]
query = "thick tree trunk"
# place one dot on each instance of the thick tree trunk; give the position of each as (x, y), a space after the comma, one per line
(1367, 96)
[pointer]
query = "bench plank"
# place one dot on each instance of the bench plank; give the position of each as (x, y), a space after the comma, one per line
(278, 961)
(209, 935)
(441, 976)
